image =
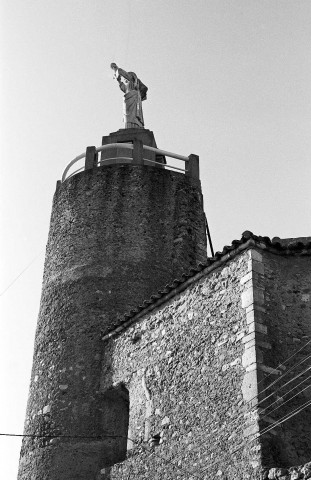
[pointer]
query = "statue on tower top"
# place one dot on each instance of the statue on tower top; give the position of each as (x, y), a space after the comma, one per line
(134, 93)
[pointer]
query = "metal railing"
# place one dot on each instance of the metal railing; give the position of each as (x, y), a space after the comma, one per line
(191, 163)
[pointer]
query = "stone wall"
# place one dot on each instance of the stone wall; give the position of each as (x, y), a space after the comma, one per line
(287, 313)
(117, 235)
(302, 472)
(182, 366)
(123, 232)
(188, 384)
(204, 374)
(277, 303)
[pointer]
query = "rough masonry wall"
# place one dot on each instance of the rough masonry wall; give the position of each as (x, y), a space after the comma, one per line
(130, 229)
(301, 472)
(182, 366)
(288, 319)
(117, 235)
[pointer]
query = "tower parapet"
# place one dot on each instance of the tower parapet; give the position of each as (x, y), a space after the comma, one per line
(133, 146)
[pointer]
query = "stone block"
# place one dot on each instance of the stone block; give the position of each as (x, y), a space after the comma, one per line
(251, 367)
(251, 430)
(46, 409)
(250, 344)
(255, 255)
(259, 297)
(165, 421)
(257, 327)
(249, 357)
(255, 266)
(266, 345)
(247, 297)
(249, 337)
(259, 308)
(246, 278)
(252, 295)
(255, 315)
(250, 317)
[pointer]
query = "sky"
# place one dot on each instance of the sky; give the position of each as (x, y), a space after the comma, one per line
(228, 80)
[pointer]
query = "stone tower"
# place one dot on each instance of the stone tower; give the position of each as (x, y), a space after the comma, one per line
(120, 231)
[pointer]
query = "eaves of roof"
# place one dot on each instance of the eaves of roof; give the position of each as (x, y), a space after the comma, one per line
(291, 246)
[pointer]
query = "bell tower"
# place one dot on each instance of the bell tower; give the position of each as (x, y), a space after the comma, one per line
(121, 229)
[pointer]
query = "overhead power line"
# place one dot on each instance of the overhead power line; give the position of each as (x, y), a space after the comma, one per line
(21, 273)
(237, 417)
(284, 374)
(99, 437)
(285, 418)
(285, 361)
(281, 403)
(256, 436)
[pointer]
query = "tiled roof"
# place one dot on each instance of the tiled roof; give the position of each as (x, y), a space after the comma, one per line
(288, 246)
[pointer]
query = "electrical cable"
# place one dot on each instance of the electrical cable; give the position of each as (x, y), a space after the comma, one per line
(85, 437)
(287, 383)
(199, 344)
(285, 373)
(277, 423)
(231, 423)
(274, 392)
(282, 364)
(209, 235)
(268, 406)
(281, 403)
(129, 25)
(273, 383)
(282, 420)
(286, 417)
(190, 351)
(34, 435)
(266, 430)
(266, 388)
(205, 435)
(282, 386)
(98, 437)
(18, 276)
(291, 398)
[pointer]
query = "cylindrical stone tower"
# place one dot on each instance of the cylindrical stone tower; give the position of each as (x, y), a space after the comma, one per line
(118, 234)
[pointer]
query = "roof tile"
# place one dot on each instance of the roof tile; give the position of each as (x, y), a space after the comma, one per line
(288, 246)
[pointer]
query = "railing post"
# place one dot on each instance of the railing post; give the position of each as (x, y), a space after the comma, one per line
(91, 158)
(138, 152)
(193, 169)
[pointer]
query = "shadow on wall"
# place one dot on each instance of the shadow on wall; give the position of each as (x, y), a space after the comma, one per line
(115, 424)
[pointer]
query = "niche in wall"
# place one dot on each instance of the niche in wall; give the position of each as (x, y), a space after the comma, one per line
(115, 421)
